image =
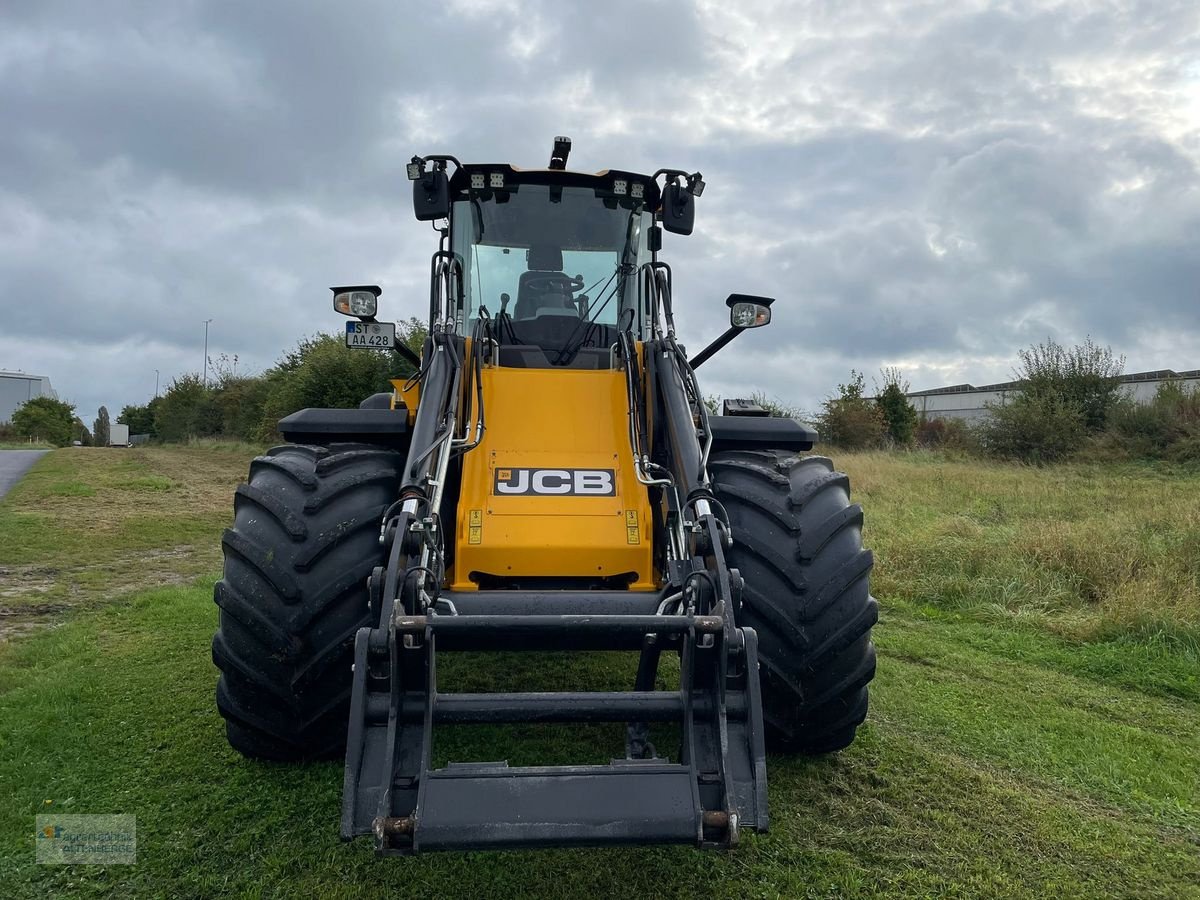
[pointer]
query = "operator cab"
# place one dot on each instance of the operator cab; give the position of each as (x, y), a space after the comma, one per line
(552, 258)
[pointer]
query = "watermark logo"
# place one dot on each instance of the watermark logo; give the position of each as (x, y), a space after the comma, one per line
(103, 840)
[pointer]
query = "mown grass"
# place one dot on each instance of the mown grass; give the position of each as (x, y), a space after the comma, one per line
(87, 523)
(983, 772)
(1035, 731)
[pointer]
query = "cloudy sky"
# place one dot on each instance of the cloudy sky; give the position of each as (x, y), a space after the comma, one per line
(928, 185)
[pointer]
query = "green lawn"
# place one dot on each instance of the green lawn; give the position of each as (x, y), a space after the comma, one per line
(1035, 728)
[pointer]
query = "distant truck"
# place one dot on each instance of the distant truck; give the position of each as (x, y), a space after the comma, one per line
(118, 435)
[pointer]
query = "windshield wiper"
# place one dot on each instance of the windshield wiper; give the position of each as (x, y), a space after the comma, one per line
(571, 347)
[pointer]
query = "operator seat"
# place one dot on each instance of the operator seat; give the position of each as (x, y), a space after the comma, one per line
(543, 260)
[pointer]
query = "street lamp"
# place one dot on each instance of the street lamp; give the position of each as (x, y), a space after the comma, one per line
(206, 321)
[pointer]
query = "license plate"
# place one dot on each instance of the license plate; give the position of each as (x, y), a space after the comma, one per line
(371, 335)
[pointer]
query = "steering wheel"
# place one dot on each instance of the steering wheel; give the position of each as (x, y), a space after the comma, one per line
(554, 281)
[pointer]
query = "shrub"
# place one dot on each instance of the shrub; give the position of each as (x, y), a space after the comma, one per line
(1166, 427)
(1037, 429)
(140, 419)
(947, 434)
(851, 420)
(1066, 393)
(187, 410)
(899, 415)
(323, 372)
(1084, 378)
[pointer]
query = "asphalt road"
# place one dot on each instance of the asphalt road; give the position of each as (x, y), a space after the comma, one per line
(14, 464)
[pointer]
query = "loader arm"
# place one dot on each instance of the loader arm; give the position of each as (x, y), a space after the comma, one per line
(715, 787)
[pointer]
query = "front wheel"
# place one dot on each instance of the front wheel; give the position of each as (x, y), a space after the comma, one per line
(305, 537)
(797, 542)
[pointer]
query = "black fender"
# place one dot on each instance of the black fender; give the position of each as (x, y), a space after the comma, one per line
(385, 427)
(760, 433)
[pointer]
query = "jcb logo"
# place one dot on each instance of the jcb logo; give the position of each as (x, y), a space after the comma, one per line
(556, 482)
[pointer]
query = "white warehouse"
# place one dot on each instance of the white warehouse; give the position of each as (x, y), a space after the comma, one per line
(17, 387)
(968, 402)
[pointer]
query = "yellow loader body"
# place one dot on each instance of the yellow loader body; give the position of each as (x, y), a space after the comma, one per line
(552, 492)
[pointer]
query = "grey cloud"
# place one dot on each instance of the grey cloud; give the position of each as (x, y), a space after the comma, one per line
(928, 184)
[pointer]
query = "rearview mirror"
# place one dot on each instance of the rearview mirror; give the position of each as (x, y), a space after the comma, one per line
(431, 196)
(361, 301)
(678, 209)
(749, 312)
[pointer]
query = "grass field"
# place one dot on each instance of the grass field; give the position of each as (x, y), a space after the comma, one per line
(1035, 728)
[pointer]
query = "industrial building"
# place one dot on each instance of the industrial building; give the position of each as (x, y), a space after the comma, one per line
(17, 387)
(970, 403)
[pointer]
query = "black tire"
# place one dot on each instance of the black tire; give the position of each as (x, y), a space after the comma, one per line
(305, 537)
(797, 542)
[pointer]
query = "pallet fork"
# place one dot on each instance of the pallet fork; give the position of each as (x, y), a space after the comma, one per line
(715, 789)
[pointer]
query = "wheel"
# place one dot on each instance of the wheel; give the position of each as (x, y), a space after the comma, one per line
(797, 542)
(305, 537)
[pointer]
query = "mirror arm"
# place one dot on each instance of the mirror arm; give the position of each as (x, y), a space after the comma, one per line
(403, 349)
(711, 350)
(406, 352)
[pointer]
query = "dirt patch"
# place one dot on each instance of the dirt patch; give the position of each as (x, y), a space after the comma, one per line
(33, 597)
(17, 621)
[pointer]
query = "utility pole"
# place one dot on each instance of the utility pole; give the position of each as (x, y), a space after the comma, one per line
(206, 321)
(156, 378)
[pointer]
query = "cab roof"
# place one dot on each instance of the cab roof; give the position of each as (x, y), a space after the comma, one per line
(616, 182)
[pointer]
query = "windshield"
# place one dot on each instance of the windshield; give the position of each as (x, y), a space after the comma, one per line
(554, 265)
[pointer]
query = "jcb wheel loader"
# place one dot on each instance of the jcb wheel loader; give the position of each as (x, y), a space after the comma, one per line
(549, 479)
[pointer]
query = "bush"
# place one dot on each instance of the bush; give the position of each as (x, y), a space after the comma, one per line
(140, 419)
(1166, 427)
(187, 410)
(947, 434)
(1066, 394)
(1037, 429)
(1084, 378)
(320, 371)
(851, 420)
(899, 415)
(323, 372)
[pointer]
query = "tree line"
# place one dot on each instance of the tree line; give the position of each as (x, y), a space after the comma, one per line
(1067, 404)
(320, 371)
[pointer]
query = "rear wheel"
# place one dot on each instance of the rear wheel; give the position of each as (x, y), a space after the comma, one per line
(304, 539)
(797, 542)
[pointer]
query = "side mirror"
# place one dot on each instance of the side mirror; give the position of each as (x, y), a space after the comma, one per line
(678, 209)
(361, 301)
(749, 312)
(431, 196)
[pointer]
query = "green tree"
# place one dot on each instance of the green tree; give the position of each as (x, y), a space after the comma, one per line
(323, 372)
(140, 419)
(82, 434)
(186, 410)
(851, 420)
(320, 371)
(100, 430)
(412, 333)
(899, 415)
(46, 419)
